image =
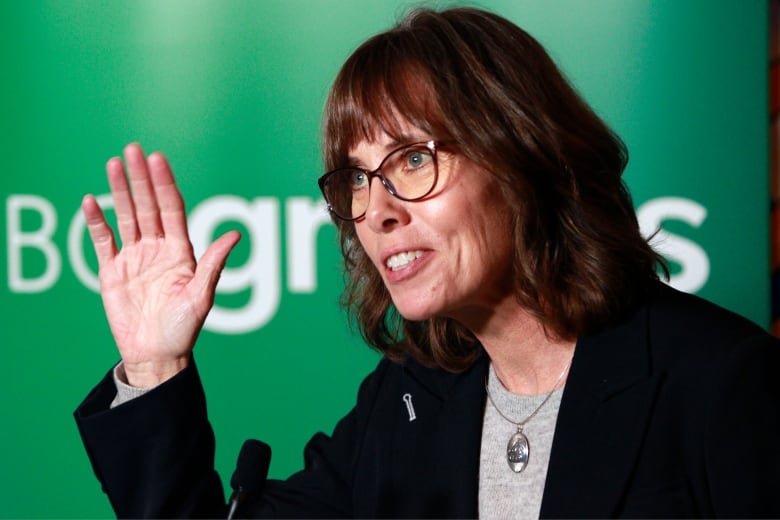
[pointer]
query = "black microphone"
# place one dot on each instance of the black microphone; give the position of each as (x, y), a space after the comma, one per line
(250, 474)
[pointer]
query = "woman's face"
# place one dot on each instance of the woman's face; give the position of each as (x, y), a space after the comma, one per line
(448, 255)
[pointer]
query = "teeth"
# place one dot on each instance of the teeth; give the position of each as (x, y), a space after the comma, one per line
(401, 260)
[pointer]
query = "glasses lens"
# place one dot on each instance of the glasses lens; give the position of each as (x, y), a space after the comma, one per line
(410, 173)
(346, 191)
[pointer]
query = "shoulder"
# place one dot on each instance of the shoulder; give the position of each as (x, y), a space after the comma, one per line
(678, 334)
(702, 346)
(685, 321)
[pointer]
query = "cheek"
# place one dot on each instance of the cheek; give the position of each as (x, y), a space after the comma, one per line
(494, 239)
(364, 236)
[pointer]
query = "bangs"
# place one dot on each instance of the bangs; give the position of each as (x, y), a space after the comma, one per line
(382, 88)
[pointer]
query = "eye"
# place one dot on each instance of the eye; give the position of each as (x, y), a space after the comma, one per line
(358, 179)
(418, 158)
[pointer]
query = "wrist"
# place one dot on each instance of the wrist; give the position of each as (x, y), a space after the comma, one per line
(147, 374)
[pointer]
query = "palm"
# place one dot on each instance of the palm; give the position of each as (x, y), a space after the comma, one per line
(147, 301)
(155, 295)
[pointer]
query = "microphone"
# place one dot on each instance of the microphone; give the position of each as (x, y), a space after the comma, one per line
(250, 474)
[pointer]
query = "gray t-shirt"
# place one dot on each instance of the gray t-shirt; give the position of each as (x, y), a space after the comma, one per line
(502, 492)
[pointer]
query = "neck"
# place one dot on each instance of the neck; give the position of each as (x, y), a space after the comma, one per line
(525, 358)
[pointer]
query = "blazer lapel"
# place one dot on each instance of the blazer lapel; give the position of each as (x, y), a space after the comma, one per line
(439, 449)
(603, 416)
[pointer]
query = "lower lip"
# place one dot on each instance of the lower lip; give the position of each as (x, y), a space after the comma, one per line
(407, 272)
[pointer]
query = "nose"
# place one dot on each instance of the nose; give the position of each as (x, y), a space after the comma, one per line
(385, 212)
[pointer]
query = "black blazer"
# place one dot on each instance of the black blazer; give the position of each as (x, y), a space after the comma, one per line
(674, 413)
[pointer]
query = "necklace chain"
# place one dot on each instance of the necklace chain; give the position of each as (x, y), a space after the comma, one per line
(518, 449)
(521, 424)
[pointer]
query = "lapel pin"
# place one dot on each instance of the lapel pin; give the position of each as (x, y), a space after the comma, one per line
(409, 407)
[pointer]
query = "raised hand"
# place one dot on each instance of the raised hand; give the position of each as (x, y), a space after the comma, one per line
(156, 296)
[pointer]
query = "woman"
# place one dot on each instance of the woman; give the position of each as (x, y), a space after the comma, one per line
(533, 363)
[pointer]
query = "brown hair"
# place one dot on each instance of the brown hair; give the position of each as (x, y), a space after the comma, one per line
(472, 78)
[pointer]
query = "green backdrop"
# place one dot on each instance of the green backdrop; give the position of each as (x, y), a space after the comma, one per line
(232, 91)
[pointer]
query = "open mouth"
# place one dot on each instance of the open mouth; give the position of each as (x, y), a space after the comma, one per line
(401, 260)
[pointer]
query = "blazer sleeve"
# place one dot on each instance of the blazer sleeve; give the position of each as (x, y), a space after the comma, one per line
(742, 443)
(154, 456)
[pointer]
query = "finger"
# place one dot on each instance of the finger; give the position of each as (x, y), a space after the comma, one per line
(100, 232)
(211, 264)
(123, 201)
(172, 213)
(147, 212)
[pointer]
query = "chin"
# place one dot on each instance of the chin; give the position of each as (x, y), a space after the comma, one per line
(412, 313)
(414, 316)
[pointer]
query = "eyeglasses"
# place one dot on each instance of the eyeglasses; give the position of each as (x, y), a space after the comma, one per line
(408, 173)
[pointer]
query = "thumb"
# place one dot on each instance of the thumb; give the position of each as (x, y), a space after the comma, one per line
(211, 264)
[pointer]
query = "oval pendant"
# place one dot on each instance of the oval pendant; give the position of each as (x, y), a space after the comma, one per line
(517, 452)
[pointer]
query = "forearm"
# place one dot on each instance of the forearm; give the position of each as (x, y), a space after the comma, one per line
(154, 454)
